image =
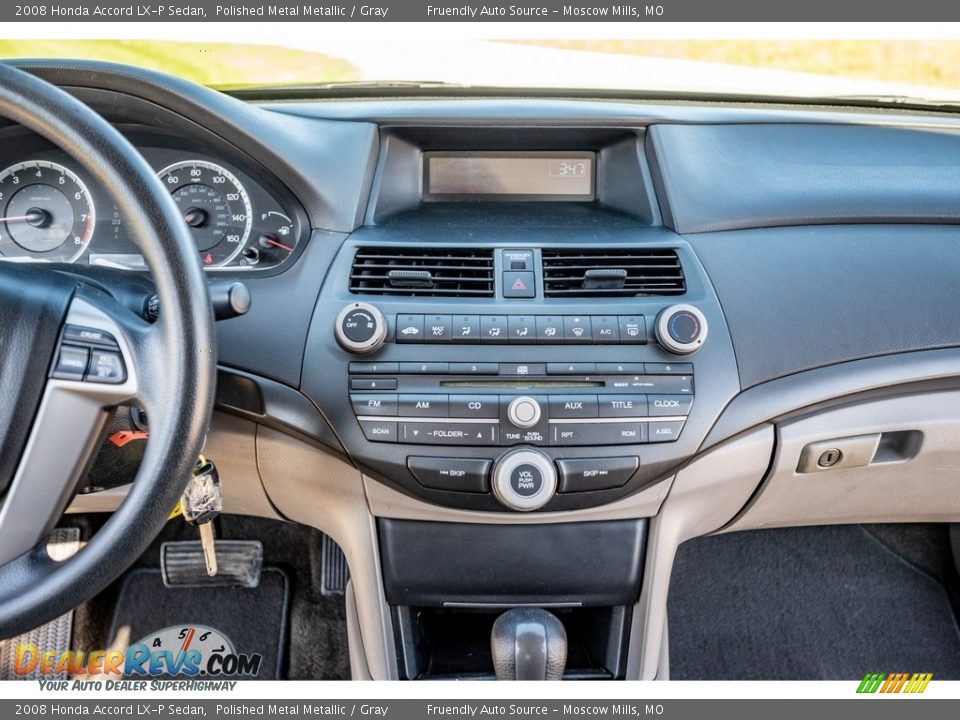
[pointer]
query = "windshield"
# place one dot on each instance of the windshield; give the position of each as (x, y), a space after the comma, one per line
(917, 69)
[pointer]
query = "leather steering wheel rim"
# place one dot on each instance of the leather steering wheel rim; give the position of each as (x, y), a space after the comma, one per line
(177, 358)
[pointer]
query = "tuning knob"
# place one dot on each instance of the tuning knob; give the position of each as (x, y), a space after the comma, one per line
(681, 329)
(523, 412)
(361, 328)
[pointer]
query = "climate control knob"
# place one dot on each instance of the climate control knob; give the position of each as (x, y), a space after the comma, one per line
(524, 479)
(524, 412)
(681, 329)
(360, 328)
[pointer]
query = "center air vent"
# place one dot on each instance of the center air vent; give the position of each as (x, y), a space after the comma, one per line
(612, 272)
(425, 271)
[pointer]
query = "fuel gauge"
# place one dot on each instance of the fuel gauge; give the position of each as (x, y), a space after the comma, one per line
(274, 243)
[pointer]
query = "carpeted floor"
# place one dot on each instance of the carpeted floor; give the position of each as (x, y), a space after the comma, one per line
(826, 603)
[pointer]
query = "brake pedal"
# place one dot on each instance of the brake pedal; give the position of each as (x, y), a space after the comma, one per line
(183, 564)
(55, 635)
(335, 571)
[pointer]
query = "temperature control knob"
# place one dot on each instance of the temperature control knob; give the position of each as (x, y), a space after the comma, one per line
(361, 328)
(681, 329)
(524, 412)
(524, 479)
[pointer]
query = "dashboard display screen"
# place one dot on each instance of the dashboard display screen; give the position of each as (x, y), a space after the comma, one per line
(525, 176)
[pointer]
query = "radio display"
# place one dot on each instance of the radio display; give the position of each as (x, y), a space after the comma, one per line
(517, 176)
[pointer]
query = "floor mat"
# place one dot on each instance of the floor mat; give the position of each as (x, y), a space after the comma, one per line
(253, 619)
(824, 603)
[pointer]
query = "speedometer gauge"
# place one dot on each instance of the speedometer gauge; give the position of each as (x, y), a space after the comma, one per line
(214, 205)
(48, 213)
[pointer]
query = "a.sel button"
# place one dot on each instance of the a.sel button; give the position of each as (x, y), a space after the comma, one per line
(453, 474)
(662, 405)
(665, 431)
(474, 406)
(596, 473)
(379, 431)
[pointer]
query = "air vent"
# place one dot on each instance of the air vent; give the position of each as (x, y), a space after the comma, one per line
(425, 271)
(612, 272)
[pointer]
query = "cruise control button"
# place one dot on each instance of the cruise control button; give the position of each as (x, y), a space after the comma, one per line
(665, 431)
(422, 405)
(409, 328)
(474, 406)
(374, 404)
(583, 475)
(625, 433)
(573, 406)
(576, 329)
(71, 363)
(622, 405)
(448, 433)
(661, 405)
(379, 430)
(106, 367)
(633, 329)
(453, 474)
(466, 328)
(94, 336)
(606, 329)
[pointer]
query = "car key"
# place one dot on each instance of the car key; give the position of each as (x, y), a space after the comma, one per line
(201, 502)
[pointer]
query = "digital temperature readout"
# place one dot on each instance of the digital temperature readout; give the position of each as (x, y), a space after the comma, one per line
(529, 176)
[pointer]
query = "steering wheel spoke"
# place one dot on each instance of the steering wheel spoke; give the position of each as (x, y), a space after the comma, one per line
(96, 367)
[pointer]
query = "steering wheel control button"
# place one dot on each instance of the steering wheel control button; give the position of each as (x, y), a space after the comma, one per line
(451, 474)
(585, 475)
(523, 412)
(681, 329)
(519, 284)
(524, 480)
(665, 405)
(361, 328)
(106, 367)
(71, 363)
(88, 335)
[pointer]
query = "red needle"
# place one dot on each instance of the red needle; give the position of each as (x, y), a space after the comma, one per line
(28, 216)
(277, 243)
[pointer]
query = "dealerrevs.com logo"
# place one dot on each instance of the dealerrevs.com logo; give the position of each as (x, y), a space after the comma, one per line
(189, 651)
(910, 683)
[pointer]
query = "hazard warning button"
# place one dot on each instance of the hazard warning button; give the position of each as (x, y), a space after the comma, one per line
(519, 284)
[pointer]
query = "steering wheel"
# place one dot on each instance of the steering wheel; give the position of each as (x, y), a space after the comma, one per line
(53, 414)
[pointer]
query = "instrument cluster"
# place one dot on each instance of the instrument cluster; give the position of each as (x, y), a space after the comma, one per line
(52, 211)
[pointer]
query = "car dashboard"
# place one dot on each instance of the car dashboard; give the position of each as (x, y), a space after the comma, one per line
(568, 334)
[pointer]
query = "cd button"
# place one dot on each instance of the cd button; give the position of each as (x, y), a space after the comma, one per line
(474, 406)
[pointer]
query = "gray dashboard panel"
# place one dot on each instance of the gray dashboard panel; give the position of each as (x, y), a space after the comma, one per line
(722, 177)
(806, 297)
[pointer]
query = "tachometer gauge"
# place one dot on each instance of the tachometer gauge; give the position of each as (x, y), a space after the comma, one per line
(48, 213)
(214, 205)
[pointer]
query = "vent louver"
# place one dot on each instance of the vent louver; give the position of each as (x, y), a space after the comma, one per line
(424, 271)
(612, 272)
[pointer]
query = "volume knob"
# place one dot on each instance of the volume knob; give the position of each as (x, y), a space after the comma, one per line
(360, 328)
(681, 329)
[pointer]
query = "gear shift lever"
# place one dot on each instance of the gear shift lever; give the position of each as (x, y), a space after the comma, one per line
(528, 644)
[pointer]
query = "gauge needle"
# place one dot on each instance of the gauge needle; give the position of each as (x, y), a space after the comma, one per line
(266, 239)
(35, 216)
